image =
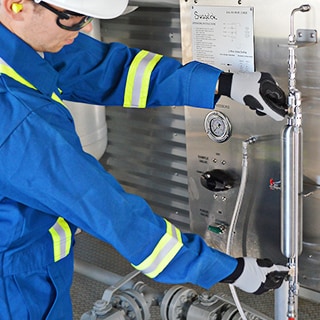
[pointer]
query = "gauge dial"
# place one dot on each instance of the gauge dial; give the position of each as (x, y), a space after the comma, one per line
(217, 126)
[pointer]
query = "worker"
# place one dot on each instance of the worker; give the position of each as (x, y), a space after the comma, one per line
(49, 186)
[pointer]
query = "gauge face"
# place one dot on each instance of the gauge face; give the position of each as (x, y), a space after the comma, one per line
(217, 126)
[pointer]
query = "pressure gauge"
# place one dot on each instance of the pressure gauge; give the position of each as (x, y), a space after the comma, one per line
(217, 126)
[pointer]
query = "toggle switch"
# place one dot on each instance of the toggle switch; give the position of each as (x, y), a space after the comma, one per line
(217, 180)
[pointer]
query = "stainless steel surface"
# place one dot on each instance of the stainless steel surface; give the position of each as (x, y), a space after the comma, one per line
(258, 230)
(292, 177)
(281, 301)
(147, 150)
(291, 207)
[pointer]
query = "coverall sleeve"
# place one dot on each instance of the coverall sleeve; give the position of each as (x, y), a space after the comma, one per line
(61, 180)
(97, 73)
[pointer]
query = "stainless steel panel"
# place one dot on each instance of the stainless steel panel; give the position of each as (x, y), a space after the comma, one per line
(149, 157)
(258, 231)
(260, 211)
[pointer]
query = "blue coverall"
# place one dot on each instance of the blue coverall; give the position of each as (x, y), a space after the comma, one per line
(45, 174)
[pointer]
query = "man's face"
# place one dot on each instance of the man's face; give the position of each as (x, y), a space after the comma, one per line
(39, 29)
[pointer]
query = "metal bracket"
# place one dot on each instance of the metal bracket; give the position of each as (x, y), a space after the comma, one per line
(107, 295)
(306, 36)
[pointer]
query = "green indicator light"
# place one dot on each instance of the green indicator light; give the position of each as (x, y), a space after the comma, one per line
(217, 230)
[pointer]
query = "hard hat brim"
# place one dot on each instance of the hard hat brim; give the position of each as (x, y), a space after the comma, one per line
(102, 9)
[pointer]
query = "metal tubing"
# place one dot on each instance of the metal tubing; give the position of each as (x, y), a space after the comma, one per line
(292, 181)
(280, 300)
(235, 215)
(151, 296)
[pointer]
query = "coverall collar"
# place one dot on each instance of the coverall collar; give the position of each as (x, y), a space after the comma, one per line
(27, 62)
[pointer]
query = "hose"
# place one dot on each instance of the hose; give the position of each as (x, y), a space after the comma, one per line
(235, 215)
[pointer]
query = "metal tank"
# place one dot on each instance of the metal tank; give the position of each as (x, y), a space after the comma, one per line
(262, 46)
(248, 36)
(226, 165)
(90, 120)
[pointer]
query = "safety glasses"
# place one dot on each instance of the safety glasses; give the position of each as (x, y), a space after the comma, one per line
(66, 18)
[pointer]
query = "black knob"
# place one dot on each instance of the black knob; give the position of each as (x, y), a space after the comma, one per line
(217, 180)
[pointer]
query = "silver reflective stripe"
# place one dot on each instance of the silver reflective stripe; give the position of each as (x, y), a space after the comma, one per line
(3, 62)
(61, 237)
(165, 250)
(138, 79)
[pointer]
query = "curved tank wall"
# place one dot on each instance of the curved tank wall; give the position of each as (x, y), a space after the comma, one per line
(90, 120)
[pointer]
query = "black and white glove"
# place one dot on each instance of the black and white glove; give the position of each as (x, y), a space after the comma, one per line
(257, 275)
(257, 90)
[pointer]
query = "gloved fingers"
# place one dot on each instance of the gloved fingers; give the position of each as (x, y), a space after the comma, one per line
(257, 275)
(272, 91)
(260, 92)
(266, 263)
(254, 104)
(273, 281)
(267, 106)
(260, 114)
(275, 275)
(274, 97)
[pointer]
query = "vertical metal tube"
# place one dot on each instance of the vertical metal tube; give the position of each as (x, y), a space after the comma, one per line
(281, 300)
(292, 180)
(291, 207)
(291, 187)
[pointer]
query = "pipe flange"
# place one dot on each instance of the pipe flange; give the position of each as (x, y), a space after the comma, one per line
(138, 297)
(176, 302)
(123, 301)
(164, 307)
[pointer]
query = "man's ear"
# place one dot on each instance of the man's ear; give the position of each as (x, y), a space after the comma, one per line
(13, 8)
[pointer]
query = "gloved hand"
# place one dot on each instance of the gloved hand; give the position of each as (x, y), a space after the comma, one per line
(257, 90)
(257, 275)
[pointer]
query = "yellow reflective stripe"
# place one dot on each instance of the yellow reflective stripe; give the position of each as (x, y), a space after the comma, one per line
(129, 90)
(138, 79)
(7, 70)
(60, 231)
(57, 99)
(61, 238)
(166, 249)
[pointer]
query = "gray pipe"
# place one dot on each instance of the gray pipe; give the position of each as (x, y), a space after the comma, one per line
(98, 274)
(281, 300)
(152, 296)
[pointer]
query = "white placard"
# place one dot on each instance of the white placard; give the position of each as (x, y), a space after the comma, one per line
(223, 37)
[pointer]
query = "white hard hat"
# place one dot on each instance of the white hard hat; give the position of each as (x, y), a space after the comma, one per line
(102, 9)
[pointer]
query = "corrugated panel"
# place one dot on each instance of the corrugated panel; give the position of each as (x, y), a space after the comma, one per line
(146, 148)
(154, 29)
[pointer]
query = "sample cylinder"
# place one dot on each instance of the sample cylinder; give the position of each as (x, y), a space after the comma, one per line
(291, 191)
